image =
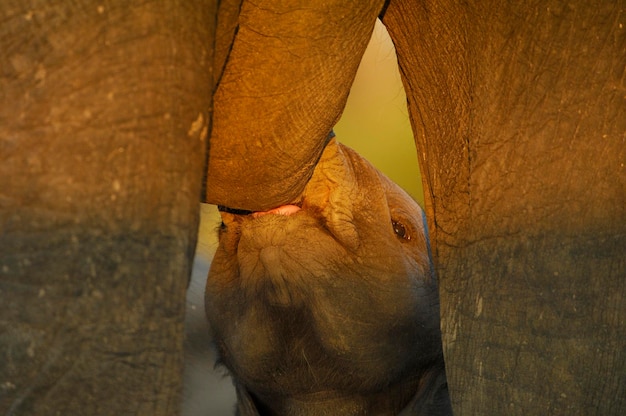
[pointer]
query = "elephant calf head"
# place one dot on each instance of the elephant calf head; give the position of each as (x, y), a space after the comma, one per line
(329, 305)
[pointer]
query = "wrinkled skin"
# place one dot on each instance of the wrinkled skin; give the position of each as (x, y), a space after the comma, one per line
(104, 114)
(331, 307)
(518, 113)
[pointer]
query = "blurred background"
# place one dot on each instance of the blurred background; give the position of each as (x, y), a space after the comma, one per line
(375, 123)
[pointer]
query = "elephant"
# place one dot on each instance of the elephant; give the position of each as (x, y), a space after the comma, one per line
(330, 306)
(119, 117)
(103, 134)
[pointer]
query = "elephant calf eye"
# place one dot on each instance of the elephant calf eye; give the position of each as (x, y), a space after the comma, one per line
(400, 230)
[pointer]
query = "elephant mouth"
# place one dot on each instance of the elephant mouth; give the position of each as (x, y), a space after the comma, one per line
(235, 211)
(281, 210)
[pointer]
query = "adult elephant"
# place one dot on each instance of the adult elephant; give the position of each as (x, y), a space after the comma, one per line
(103, 134)
(518, 114)
(520, 122)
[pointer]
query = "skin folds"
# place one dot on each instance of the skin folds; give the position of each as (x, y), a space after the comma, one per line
(331, 300)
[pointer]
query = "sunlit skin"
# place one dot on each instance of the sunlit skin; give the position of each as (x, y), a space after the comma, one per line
(330, 298)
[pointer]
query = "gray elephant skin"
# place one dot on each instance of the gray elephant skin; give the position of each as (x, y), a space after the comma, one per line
(114, 117)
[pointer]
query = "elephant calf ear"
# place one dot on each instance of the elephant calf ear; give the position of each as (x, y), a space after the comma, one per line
(332, 190)
(283, 88)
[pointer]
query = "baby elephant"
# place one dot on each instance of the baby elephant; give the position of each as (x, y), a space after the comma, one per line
(329, 306)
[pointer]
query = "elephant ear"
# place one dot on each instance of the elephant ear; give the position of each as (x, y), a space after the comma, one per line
(284, 86)
(332, 190)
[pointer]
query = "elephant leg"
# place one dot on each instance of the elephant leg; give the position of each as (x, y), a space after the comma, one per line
(285, 83)
(103, 133)
(518, 112)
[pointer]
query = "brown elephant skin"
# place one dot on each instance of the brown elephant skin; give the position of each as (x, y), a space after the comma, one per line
(330, 304)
